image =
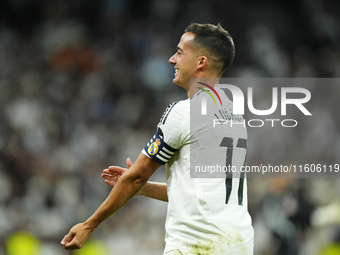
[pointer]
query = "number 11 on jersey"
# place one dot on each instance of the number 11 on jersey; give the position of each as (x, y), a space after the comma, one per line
(229, 143)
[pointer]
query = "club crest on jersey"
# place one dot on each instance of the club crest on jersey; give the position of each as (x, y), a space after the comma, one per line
(153, 148)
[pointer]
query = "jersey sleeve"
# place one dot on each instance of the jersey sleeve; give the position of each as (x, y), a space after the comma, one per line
(172, 133)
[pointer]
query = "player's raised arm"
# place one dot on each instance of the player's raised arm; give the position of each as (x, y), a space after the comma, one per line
(153, 190)
(129, 184)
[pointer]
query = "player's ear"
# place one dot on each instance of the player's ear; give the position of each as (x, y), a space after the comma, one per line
(202, 62)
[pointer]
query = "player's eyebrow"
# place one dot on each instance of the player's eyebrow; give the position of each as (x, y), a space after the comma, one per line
(178, 48)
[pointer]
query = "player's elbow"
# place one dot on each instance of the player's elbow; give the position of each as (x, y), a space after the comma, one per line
(140, 180)
(137, 180)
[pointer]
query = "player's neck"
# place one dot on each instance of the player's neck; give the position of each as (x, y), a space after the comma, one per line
(197, 84)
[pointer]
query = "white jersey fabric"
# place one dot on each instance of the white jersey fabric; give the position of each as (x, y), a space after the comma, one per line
(205, 215)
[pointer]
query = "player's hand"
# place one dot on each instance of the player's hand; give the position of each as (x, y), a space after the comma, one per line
(76, 238)
(113, 173)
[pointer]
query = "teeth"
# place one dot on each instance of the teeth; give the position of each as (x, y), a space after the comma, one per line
(176, 70)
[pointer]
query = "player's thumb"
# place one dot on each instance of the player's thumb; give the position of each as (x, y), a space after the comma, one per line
(128, 163)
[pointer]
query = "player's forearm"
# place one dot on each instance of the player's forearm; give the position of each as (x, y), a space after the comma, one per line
(154, 190)
(125, 189)
(122, 193)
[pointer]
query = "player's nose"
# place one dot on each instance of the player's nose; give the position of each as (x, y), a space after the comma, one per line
(172, 59)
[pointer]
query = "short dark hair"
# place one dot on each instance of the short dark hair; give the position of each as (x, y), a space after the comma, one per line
(216, 41)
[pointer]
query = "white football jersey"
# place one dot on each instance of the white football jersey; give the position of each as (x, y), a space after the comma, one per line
(205, 215)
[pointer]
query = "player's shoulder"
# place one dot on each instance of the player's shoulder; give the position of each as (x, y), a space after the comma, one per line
(181, 105)
(176, 109)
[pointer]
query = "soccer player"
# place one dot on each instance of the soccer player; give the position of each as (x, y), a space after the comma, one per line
(205, 215)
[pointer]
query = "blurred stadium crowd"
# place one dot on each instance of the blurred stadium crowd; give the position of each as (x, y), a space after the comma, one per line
(84, 83)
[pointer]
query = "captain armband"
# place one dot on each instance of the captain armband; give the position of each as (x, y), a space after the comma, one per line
(158, 150)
